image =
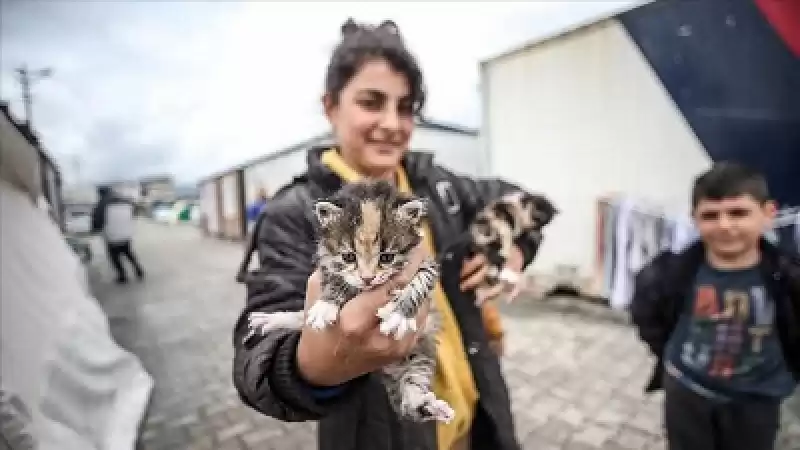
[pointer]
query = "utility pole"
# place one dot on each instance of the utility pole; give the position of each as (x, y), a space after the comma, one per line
(26, 80)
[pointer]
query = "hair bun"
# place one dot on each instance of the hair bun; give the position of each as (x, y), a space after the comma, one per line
(390, 26)
(349, 27)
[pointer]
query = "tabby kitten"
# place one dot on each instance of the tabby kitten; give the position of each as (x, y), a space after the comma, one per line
(366, 233)
(499, 224)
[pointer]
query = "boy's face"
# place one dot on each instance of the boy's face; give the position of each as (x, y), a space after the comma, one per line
(732, 226)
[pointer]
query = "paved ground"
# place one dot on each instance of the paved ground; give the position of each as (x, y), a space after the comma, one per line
(576, 378)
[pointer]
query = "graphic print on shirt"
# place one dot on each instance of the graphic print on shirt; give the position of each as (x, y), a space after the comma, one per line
(727, 331)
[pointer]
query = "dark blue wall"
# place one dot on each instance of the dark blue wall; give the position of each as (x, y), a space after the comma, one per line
(733, 78)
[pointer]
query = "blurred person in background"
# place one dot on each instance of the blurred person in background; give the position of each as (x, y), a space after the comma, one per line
(256, 207)
(373, 91)
(113, 217)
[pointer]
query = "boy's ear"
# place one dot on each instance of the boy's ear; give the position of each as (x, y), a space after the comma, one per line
(770, 209)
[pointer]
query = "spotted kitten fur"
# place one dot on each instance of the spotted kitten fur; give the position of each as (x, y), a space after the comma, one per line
(500, 223)
(366, 234)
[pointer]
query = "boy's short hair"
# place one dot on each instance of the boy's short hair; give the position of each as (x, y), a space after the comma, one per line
(728, 179)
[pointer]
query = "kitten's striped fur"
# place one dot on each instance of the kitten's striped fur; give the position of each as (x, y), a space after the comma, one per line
(366, 234)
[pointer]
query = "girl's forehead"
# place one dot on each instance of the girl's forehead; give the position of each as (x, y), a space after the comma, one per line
(378, 77)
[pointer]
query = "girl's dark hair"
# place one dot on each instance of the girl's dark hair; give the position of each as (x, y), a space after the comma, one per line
(364, 43)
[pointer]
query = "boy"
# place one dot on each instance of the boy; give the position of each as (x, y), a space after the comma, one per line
(722, 320)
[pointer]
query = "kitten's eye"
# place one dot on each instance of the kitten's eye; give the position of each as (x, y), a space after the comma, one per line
(349, 257)
(386, 258)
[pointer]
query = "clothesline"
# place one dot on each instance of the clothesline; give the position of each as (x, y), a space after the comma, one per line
(630, 235)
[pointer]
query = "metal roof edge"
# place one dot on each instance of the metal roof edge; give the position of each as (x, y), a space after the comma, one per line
(30, 136)
(424, 122)
(421, 122)
(268, 157)
(553, 34)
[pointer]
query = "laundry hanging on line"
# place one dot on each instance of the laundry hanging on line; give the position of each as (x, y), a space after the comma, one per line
(630, 235)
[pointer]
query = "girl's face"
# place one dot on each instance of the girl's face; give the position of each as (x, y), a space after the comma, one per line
(373, 119)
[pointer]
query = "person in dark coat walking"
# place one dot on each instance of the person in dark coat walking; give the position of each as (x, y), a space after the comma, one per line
(723, 320)
(113, 218)
(373, 90)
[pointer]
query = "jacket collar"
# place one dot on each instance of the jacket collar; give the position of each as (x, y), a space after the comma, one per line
(418, 165)
(692, 257)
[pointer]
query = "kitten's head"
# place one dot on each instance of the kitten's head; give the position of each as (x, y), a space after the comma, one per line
(518, 212)
(367, 231)
(527, 211)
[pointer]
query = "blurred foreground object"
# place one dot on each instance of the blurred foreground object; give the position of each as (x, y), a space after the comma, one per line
(65, 384)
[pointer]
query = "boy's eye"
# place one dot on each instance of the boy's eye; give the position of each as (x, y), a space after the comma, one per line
(739, 212)
(386, 258)
(709, 215)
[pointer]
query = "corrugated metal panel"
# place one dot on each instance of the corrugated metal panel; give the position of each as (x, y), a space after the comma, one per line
(583, 116)
(232, 205)
(209, 207)
(274, 173)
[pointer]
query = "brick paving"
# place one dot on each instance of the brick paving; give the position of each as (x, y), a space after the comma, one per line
(575, 374)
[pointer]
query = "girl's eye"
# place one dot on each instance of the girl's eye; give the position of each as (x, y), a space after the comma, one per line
(386, 258)
(371, 104)
(349, 257)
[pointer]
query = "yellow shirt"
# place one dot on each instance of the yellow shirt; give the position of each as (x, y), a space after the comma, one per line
(453, 380)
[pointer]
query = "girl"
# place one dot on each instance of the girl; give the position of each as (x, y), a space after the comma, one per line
(373, 91)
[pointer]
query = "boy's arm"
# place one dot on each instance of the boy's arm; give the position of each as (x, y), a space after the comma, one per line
(648, 306)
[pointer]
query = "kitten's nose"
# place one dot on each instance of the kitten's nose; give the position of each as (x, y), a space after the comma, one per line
(367, 279)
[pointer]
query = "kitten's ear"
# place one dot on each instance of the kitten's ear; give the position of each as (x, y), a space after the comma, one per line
(390, 26)
(349, 27)
(544, 210)
(326, 212)
(412, 211)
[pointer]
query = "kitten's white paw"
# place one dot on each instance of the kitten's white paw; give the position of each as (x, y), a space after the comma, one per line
(397, 324)
(263, 323)
(386, 310)
(509, 276)
(438, 410)
(514, 282)
(322, 314)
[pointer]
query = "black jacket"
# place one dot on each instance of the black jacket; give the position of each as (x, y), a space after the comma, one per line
(662, 288)
(264, 370)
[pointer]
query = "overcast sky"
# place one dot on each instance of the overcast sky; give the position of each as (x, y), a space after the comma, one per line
(191, 88)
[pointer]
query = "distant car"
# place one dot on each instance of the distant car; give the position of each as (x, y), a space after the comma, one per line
(164, 214)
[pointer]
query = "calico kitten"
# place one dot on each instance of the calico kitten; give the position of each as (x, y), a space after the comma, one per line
(366, 234)
(500, 223)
